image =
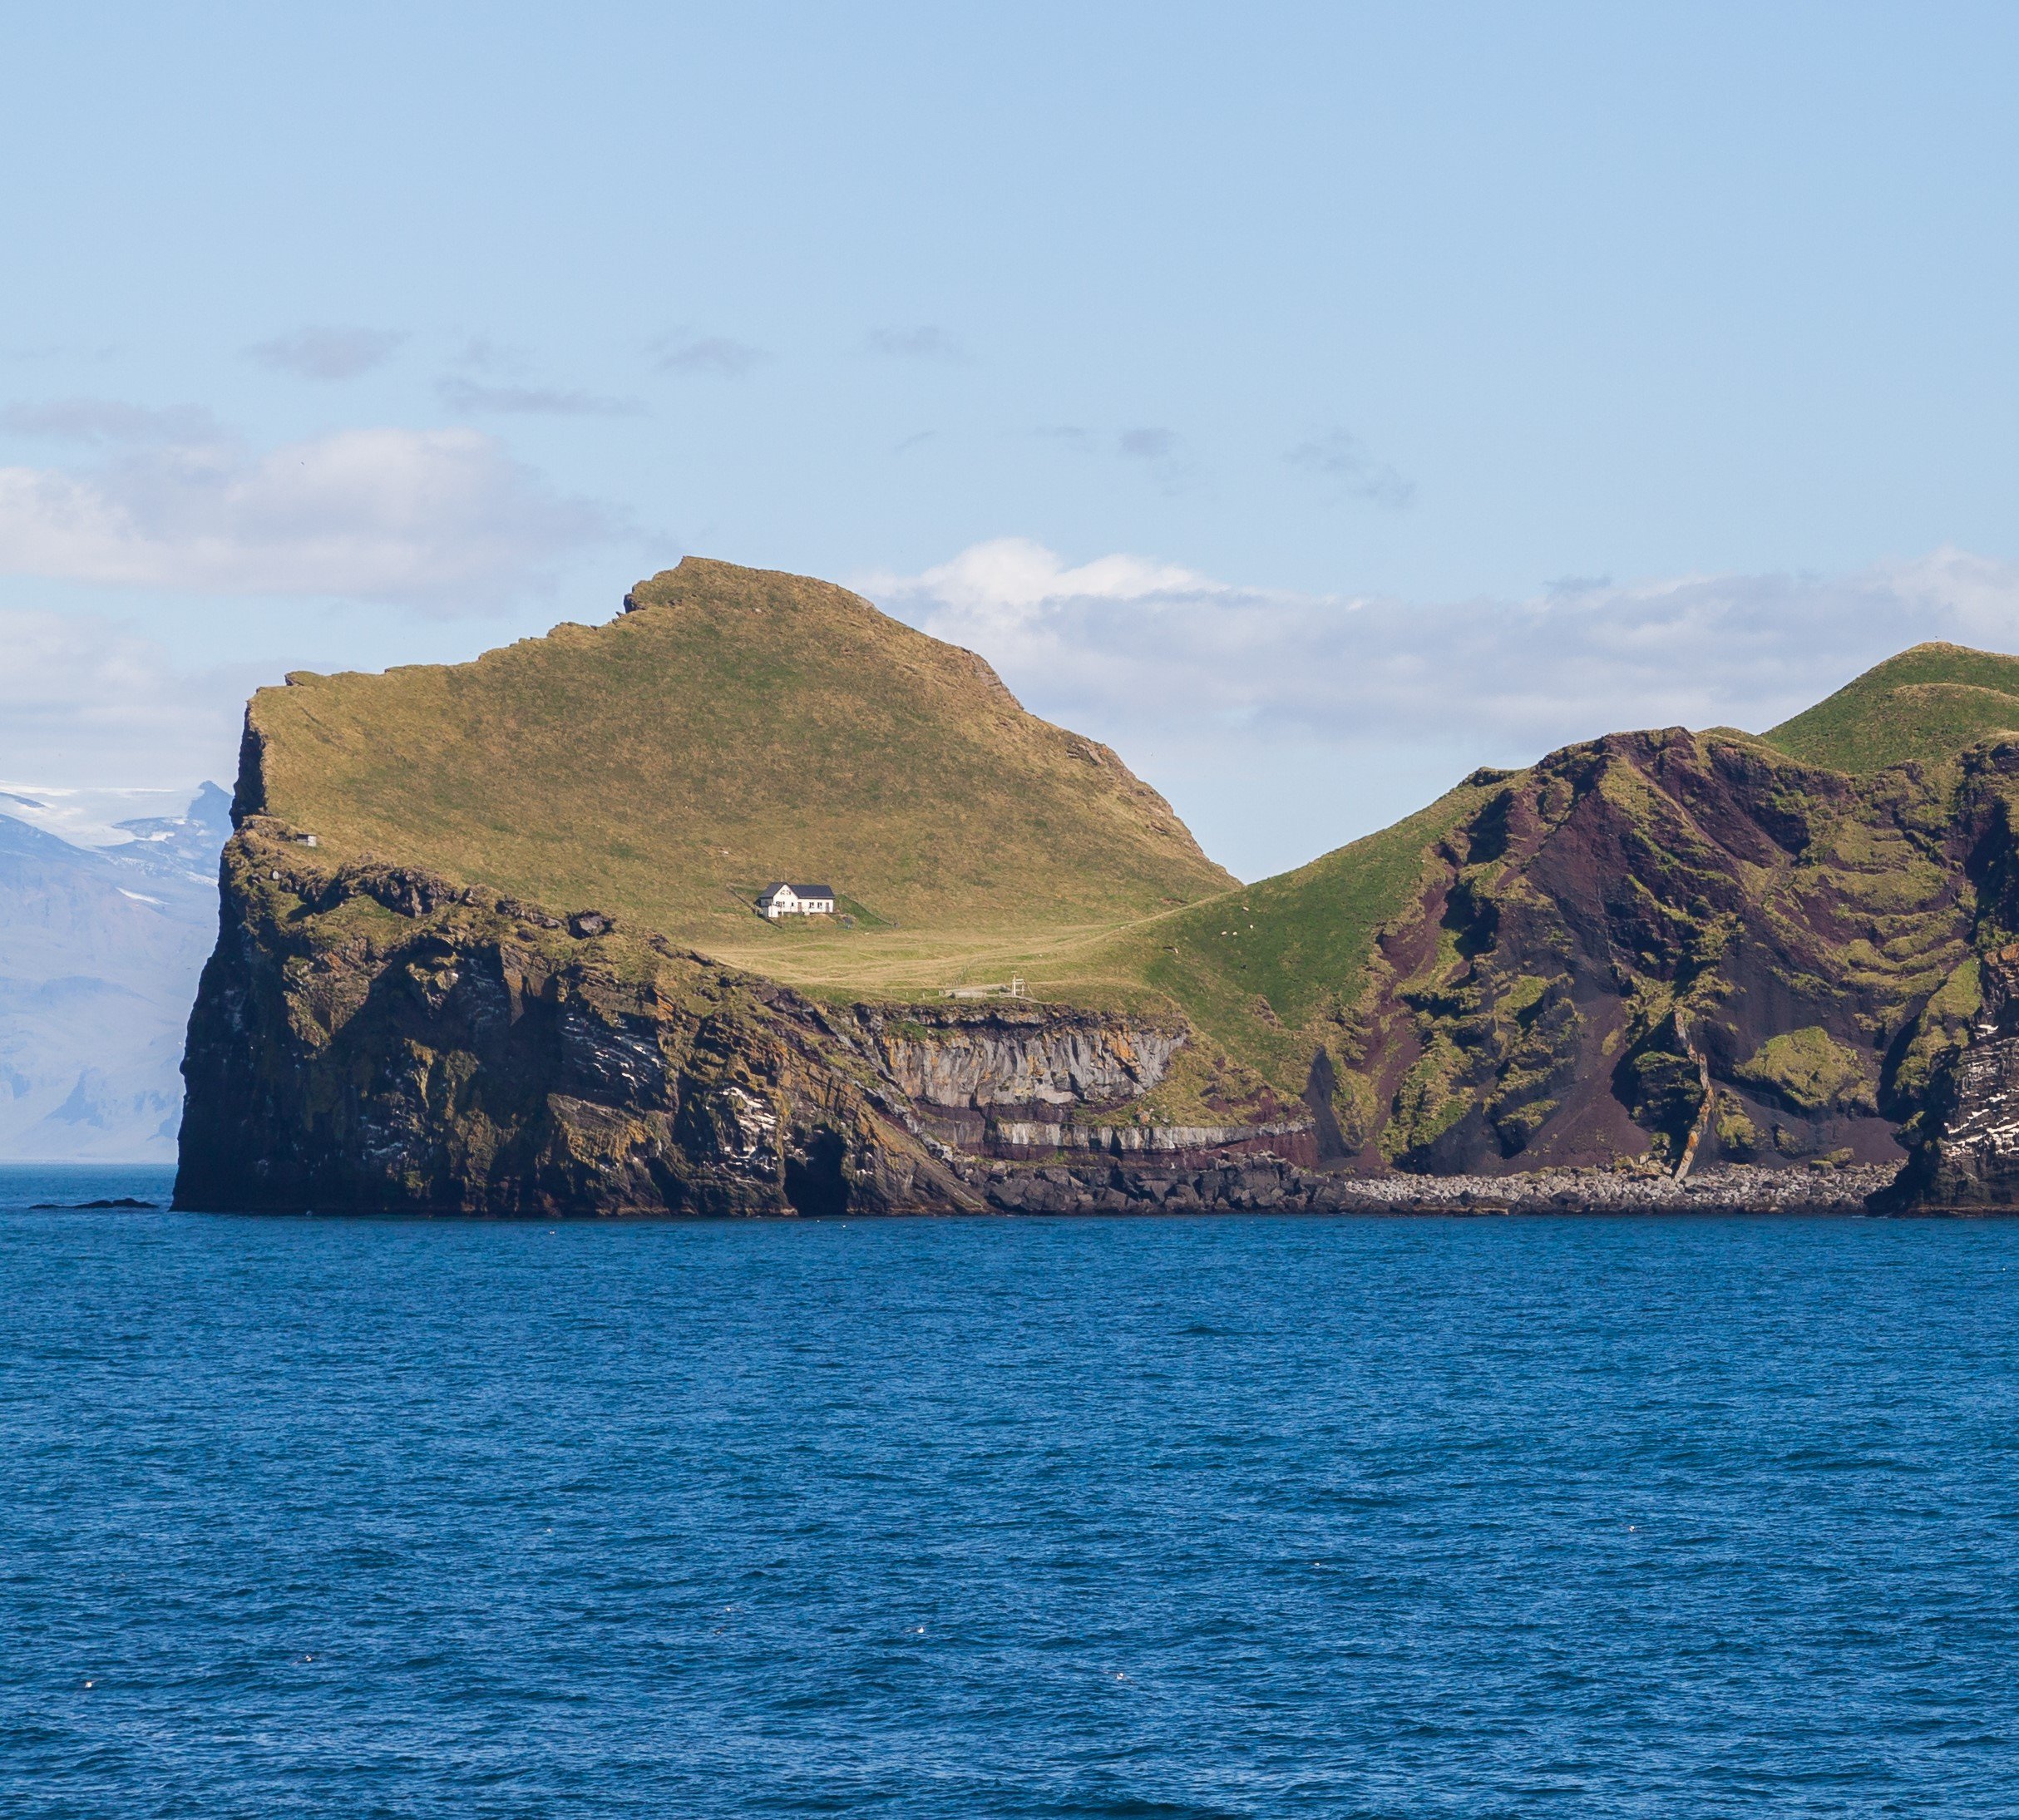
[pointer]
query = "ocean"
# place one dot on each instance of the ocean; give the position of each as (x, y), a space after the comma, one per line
(1143, 1516)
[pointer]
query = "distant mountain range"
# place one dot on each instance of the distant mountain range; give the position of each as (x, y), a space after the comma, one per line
(101, 947)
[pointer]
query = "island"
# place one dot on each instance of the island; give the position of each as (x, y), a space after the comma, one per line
(487, 947)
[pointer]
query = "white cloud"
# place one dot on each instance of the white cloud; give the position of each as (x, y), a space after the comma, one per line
(470, 395)
(1013, 582)
(328, 353)
(442, 517)
(685, 352)
(1282, 724)
(86, 703)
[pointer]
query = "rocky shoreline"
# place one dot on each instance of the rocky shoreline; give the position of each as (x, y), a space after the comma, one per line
(1267, 1185)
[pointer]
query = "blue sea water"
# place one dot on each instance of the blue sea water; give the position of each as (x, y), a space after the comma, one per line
(1155, 1516)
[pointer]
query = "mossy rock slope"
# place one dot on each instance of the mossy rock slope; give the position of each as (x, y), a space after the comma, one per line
(1761, 949)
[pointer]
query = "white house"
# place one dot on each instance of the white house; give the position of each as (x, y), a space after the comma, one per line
(796, 900)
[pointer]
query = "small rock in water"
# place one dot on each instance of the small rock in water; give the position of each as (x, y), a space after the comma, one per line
(87, 1206)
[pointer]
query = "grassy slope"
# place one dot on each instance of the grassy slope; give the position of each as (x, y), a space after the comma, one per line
(742, 726)
(1926, 703)
(1299, 943)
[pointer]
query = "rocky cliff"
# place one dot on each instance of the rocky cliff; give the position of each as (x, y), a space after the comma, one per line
(1692, 947)
(377, 1037)
(1968, 1158)
(1020, 1056)
(1663, 950)
(370, 1036)
(1662, 943)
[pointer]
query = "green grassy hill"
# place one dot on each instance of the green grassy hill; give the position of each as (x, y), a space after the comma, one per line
(1926, 704)
(737, 726)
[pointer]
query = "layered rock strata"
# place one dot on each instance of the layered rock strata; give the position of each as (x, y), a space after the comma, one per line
(1032, 1081)
(1023, 1056)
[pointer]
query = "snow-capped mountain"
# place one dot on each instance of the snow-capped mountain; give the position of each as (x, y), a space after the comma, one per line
(102, 936)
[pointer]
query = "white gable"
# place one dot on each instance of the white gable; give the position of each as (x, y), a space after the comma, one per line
(804, 900)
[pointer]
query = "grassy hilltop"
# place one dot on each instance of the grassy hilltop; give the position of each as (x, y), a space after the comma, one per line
(1926, 704)
(738, 727)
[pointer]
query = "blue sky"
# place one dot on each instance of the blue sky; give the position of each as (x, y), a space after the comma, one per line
(1315, 401)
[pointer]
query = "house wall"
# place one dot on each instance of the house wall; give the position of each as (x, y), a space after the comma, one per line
(790, 904)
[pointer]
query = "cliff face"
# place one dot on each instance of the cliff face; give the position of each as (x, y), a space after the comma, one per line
(1031, 1080)
(1969, 1157)
(1672, 944)
(376, 1037)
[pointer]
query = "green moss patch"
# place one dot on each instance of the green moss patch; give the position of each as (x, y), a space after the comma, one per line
(1811, 1071)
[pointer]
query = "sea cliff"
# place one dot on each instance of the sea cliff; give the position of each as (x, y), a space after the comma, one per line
(380, 1039)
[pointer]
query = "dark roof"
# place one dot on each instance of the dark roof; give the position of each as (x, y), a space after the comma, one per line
(798, 891)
